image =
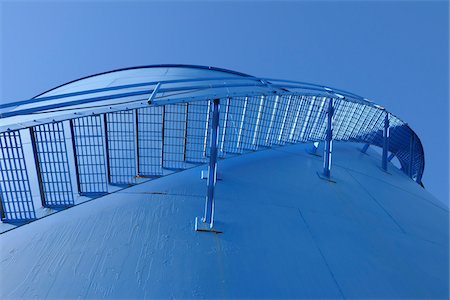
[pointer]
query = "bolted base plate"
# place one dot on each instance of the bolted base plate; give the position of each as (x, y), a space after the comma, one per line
(202, 226)
(321, 176)
(204, 175)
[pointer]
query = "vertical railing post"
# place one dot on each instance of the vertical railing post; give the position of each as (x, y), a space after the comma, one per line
(328, 141)
(411, 155)
(38, 166)
(136, 143)
(384, 159)
(108, 162)
(207, 222)
(75, 156)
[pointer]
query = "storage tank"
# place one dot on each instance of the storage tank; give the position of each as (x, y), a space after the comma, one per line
(180, 181)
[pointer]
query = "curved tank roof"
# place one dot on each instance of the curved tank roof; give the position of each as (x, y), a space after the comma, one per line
(140, 74)
(286, 234)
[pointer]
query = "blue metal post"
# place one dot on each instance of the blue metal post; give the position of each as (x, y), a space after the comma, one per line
(384, 159)
(411, 155)
(75, 156)
(208, 218)
(38, 166)
(328, 141)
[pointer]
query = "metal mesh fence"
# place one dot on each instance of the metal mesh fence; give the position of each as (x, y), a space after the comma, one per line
(150, 141)
(121, 147)
(16, 200)
(90, 160)
(53, 165)
(146, 141)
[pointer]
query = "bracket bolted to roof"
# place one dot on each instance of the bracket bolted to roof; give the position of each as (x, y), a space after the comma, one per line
(207, 222)
(364, 149)
(153, 94)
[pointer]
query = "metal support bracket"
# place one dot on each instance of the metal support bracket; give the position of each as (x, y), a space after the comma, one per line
(364, 149)
(204, 175)
(314, 148)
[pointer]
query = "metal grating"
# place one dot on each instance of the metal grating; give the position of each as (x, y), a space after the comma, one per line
(49, 146)
(88, 142)
(197, 132)
(150, 140)
(16, 199)
(174, 137)
(121, 147)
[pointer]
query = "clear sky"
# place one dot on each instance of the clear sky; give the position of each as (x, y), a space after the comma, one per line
(393, 52)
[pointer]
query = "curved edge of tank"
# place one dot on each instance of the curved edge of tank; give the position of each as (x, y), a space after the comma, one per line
(187, 66)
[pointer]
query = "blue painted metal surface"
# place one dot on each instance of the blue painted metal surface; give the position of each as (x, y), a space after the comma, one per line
(307, 241)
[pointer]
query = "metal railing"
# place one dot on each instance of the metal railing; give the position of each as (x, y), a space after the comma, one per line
(90, 142)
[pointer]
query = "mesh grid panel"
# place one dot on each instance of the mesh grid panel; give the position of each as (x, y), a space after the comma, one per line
(50, 146)
(90, 155)
(150, 139)
(16, 199)
(121, 139)
(174, 137)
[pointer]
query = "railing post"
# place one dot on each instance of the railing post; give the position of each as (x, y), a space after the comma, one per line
(328, 141)
(411, 154)
(207, 222)
(75, 156)
(108, 162)
(38, 166)
(384, 159)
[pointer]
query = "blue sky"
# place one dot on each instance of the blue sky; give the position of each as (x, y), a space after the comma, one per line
(395, 53)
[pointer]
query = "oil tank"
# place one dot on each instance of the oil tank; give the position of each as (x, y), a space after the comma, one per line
(180, 181)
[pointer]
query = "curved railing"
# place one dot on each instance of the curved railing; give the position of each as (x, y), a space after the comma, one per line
(54, 148)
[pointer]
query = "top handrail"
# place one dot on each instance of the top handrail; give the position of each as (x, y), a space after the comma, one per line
(258, 81)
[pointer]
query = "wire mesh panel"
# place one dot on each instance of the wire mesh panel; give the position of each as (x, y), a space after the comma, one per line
(49, 145)
(248, 129)
(87, 134)
(17, 204)
(150, 140)
(317, 126)
(232, 144)
(197, 134)
(174, 136)
(299, 107)
(121, 139)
